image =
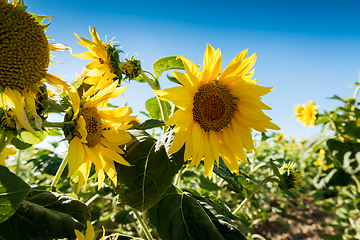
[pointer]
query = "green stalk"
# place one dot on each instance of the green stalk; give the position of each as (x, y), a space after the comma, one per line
(59, 171)
(55, 124)
(156, 86)
(267, 179)
(143, 225)
(17, 171)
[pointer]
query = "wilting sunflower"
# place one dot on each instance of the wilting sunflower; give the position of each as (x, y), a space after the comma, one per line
(97, 134)
(307, 114)
(217, 111)
(24, 58)
(104, 68)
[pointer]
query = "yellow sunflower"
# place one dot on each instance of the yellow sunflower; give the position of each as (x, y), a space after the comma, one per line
(217, 111)
(307, 114)
(103, 67)
(279, 137)
(24, 59)
(98, 132)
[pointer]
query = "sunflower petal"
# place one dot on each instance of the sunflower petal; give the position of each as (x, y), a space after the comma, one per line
(75, 155)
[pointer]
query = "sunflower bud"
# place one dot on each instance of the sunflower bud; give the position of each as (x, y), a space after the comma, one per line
(131, 68)
(289, 176)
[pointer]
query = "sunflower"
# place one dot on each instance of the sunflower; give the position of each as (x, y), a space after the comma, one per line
(217, 111)
(97, 134)
(307, 114)
(104, 69)
(24, 59)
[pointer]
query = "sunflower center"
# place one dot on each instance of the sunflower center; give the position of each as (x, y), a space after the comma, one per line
(214, 107)
(92, 125)
(24, 50)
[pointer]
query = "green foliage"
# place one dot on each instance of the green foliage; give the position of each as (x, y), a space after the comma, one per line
(46, 215)
(152, 106)
(13, 190)
(180, 215)
(237, 182)
(141, 185)
(166, 63)
(150, 123)
(25, 140)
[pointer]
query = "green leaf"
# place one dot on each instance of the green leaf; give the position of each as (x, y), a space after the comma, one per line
(152, 106)
(332, 177)
(207, 184)
(26, 139)
(124, 217)
(179, 215)
(150, 123)
(141, 185)
(13, 190)
(345, 100)
(312, 145)
(167, 63)
(238, 183)
(46, 215)
(347, 154)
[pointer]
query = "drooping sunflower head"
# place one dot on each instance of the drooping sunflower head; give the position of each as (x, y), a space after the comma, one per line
(307, 114)
(24, 50)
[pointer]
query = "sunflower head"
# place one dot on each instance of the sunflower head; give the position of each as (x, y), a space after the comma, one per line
(131, 68)
(289, 176)
(307, 114)
(19, 30)
(217, 109)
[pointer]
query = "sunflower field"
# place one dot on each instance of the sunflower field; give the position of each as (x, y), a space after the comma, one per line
(205, 164)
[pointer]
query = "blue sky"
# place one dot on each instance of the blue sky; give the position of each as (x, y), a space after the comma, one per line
(307, 50)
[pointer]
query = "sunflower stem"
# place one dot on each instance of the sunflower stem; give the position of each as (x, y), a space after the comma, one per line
(267, 179)
(149, 81)
(154, 84)
(59, 171)
(142, 223)
(55, 124)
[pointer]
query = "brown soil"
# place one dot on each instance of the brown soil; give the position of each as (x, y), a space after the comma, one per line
(300, 222)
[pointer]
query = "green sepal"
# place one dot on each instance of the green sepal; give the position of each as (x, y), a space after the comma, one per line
(40, 18)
